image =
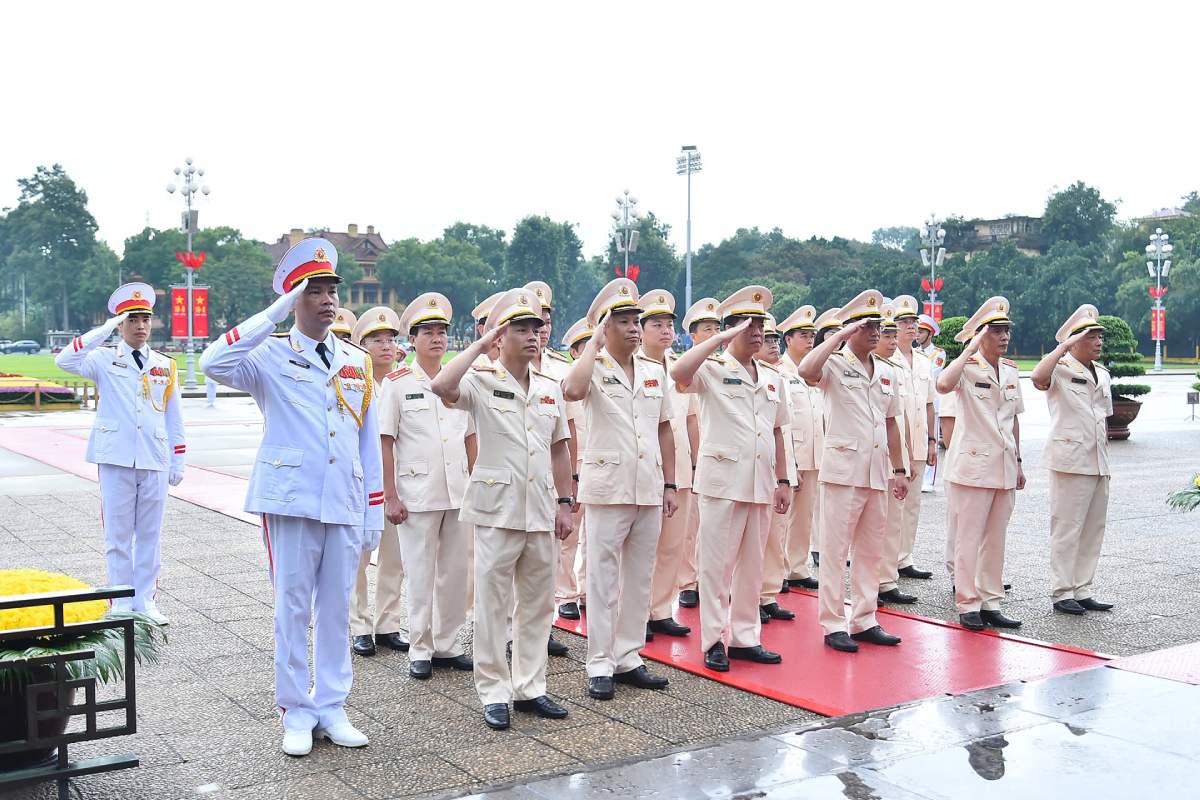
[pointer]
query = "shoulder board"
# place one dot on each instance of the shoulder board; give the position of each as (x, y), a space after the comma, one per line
(645, 357)
(539, 373)
(280, 335)
(891, 363)
(483, 368)
(975, 359)
(1008, 362)
(108, 347)
(717, 359)
(356, 347)
(771, 367)
(400, 373)
(557, 355)
(1098, 365)
(917, 352)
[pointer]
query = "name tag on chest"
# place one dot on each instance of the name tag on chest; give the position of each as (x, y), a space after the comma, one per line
(850, 373)
(421, 396)
(120, 364)
(504, 395)
(983, 386)
(297, 363)
(1079, 380)
(611, 381)
(733, 381)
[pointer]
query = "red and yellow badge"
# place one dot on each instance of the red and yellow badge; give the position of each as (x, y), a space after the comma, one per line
(770, 387)
(651, 383)
(547, 400)
(352, 373)
(886, 381)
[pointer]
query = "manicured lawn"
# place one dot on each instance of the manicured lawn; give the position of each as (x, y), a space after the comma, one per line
(41, 366)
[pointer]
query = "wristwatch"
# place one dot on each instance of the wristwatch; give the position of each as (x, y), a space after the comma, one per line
(783, 482)
(899, 471)
(670, 486)
(566, 501)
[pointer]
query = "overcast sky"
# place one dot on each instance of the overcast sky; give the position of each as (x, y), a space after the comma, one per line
(821, 119)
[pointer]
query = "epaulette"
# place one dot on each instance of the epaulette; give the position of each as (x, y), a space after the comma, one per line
(1010, 362)
(356, 347)
(539, 373)
(718, 359)
(1098, 365)
(400, 373)
(557, 355)
(771, 367)
(645, 357)
(889, 362)
(483, 368)
(281, 335)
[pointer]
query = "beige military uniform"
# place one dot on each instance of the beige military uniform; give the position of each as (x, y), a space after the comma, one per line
(854, 475)
(673, 541)
(431, 478)
(735, 484)
(894, 519)
(568, 578)
(1077, 457)
(807, 433)
(510, 500)
(982, 465)
(947, 408)
(621, 490)
(688, 577)
(775, 554)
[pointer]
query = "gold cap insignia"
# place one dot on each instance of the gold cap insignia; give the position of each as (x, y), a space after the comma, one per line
(662, 299)
(137, 295)
(870, 301)
(757, 296)
(319, 254)
(624, 290)
(383, 317)
(709, 307)
(523, 300)
(433, 302)
(1000, 306)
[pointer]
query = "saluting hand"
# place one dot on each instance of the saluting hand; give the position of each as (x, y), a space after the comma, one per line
(729, 334)
(845, 333)
(973, 345)
(485, 341)
(278, 311)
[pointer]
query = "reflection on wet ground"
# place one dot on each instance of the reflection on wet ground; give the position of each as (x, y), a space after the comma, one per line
(1095, 734)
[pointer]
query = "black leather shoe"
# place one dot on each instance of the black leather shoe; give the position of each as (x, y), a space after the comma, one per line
(496, 716)
(669, 626)
(421, 670)
(997, 620)
(776, 611)
(542, 706)
(689, 598)
(841, 640)
(363, 645)
(393, 640)
(555, 648)
(641, 678)
(1094, 605)
(1007, 586)
(601, 688)
(897, 596)
(715, 659)
(912, 572)
(816, 558)
(763, 615)
(461, 663)
(1070, 606)
(785, 588)
(758, 654)
(971, 621)
(803, 583)
(569, 611)
(876, 635)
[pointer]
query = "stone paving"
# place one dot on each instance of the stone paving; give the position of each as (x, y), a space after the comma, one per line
(207, 725)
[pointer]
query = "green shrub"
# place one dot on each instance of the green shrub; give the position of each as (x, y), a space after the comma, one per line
(945, 340)
(1121, 357)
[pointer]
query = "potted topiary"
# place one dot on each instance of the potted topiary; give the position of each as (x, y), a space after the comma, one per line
(945, 340)
(1122, 359)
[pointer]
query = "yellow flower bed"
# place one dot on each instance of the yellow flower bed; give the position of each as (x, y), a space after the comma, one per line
(33, 581)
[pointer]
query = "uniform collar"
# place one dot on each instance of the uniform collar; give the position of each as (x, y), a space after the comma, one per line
(307, 347)
(124, 350)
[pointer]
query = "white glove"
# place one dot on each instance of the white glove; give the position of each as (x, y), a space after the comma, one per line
(278, 311)
(371, 540)
(175, 476)
(115, 321)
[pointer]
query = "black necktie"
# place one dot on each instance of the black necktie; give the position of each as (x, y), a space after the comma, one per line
(323, 352)
(137, 357)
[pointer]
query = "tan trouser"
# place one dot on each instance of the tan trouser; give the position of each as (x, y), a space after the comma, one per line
(389, 583)
(852, 518)
(1078, 514)
(948, 488)
(434, 545)
(568, 577)
(980, 518)
(801, 540)
(505, 557)
(889, 555)
(774, 559)
(668, 561)
(620, 561)
(911, 515)
(732, 538)
(688, 574)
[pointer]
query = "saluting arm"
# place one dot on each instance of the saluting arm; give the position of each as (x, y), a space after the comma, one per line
(575, 385)
(445, 384)
(813, 363)
(227, 361)
(689, 363)
(74, 358)
(952, 374)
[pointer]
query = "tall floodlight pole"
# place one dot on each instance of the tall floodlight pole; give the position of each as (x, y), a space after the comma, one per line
(189, 176)
(625, 226)
(933, 255)
(1159, 250)
(686, 164)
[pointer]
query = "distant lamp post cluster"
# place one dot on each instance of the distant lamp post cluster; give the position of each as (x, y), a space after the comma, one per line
(189, 176)
(1158, 263)
(686, 164)
(626, 218)
(933, 255)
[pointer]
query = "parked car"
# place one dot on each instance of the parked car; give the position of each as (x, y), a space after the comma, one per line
(23, 346)
(4, 343)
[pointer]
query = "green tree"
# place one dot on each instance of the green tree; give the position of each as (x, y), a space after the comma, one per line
(451, 266)
(239, 274)
(490, 241)
(1077, 214)
(350, 270)
(150, 256)
(95, 283)
(658, 264)
(950, 327)
(903, 237)
(546, 250)
(1121, 358)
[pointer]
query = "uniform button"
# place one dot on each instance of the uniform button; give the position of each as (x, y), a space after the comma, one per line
(329, 408)
(332, 459)
(333, 433)
(641, 455)
(876, 447)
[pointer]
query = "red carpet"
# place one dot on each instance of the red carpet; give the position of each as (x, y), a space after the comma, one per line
(1175, 663)
(934, 658)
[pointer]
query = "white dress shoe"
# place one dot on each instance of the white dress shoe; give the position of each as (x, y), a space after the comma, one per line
(156, 616)
(343, 734)
(297, 743)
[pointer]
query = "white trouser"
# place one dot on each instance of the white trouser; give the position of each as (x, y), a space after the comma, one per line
(389, 580)
(980, 518)
(911, 516)
(732, 538)
(505, 559)
(1078, 515)
(312, 568)
(620, 563)
(801, 521)
(568, 580)
(852, 518)
(132, 502)
(668, 559)
(434, 545)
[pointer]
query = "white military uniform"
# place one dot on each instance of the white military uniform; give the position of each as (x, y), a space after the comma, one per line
(1076, 454)
(318, 484)
(136, 439)
(510, 500)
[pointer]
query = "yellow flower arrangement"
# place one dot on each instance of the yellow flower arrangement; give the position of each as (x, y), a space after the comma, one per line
(1187, 498)
(33, 581)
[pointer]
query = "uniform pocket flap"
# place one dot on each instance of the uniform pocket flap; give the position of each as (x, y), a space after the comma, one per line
(601, 457)
(281, 456)
(720, 453)
(491, 475)
(414, 468)
(107, 427)
(840, 443)
(976, 449)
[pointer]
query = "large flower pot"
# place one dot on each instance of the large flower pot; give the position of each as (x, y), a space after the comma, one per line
(1125, 411)
(12, 723)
